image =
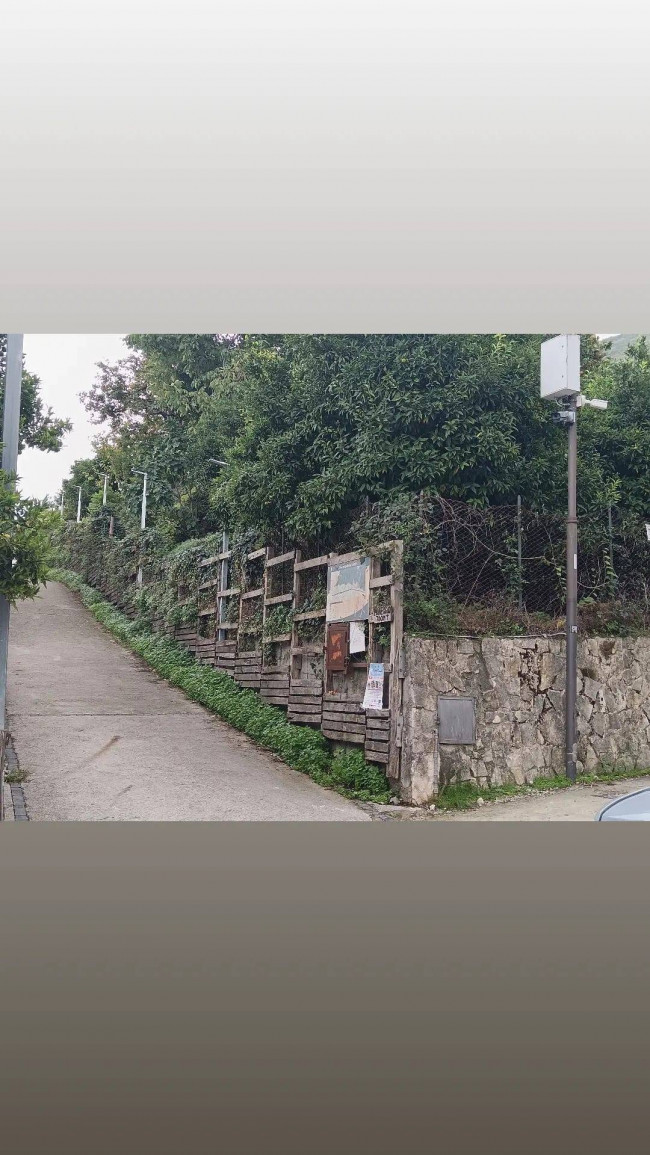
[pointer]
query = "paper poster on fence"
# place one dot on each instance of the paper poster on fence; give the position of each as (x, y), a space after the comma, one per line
(348, 591)
(374, 695)
(357, 638)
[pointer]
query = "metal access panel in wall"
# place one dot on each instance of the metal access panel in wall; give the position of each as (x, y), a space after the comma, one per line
(457, 721)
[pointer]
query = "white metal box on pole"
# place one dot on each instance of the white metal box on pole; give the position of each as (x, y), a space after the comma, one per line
(560, 367)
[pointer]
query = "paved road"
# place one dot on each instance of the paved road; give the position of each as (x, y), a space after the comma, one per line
(102, 737)
(575, 804)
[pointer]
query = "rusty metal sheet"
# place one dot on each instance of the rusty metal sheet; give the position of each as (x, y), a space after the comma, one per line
(337, 649)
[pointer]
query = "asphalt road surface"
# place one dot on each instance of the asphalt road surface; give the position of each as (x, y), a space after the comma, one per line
(103, 738)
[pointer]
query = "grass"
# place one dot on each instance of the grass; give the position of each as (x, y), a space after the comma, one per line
(300, 747)
(466, 795)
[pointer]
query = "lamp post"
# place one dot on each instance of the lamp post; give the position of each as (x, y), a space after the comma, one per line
(143, 513)
(105, 488)
(78, 504)
(560, 382)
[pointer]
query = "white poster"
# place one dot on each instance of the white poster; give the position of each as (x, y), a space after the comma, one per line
(374, 695)
(357, 638)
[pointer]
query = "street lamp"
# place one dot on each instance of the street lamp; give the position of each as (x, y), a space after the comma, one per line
(143, 512)
(560, 382)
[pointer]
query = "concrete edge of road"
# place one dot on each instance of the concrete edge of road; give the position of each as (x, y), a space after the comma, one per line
(15, 807)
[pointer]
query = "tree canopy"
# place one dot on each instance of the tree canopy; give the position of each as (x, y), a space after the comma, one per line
(311, 426)
(39, 428)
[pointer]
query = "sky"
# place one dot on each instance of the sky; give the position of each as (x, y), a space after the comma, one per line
(65, 363)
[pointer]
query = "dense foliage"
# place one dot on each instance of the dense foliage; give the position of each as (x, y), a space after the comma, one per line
(331, 440)
(25, 543)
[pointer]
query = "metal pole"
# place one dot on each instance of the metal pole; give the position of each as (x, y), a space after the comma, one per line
(572, 599)
(79, 505)
(519, 574)
(105, 485)
(10, 431)
(143, 520)
(61, 507)
(610, 526)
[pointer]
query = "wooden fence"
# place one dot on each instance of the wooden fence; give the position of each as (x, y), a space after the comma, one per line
(261, 619)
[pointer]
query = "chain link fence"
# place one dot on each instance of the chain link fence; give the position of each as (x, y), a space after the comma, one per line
(502, 568)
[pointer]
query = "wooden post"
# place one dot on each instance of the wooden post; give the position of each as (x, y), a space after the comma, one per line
(396, 659)
(295, 660)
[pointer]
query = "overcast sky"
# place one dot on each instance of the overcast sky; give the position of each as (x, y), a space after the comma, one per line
(65, 363)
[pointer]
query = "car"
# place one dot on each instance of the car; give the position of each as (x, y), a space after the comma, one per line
(630, 808)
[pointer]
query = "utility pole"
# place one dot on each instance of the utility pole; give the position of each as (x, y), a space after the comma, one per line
(105, 487)
(79, 504)
(572, 596)
(560, 382)
(10, 430)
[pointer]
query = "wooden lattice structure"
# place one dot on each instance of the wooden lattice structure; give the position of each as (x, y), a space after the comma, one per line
(261, 619)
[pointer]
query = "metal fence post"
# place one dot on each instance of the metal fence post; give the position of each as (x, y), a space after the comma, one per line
(10, 436)
(519, 568)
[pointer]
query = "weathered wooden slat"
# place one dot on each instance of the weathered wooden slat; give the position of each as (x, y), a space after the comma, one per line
(208, 585)
(281, 558)
(255, 554)
(306, 617)
(311, 562)
(342, 735)
(252, 594)
(231, 593)
(376, 755)
(273, 700)
(335, 697)
(279, 638)
(378, 725)
(208, 561)
(279, 598)
(206, 613)
(315, 691)
(377, 583)
(309, 648)
(343, 707)
(303, 719)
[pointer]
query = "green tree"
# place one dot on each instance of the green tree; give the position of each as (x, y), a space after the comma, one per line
(39, 428)
(25, 543)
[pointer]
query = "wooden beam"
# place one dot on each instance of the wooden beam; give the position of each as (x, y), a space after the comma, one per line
(312, 562)
(281, 558)
(377, 582)
(279, 598)
(253, 594)
(312, 614)
(256, 553)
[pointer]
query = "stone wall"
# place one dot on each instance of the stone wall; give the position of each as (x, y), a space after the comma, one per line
(518, 688)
